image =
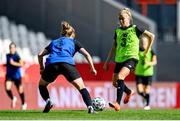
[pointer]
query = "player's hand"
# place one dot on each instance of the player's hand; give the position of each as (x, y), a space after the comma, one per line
(147, 63)
(106, 66)
(94, 72)
(115, 83)
(12, 61)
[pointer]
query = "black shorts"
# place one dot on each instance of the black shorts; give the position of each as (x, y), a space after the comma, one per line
(131, 64)
(53, 70)
(16, 81)
(145, 80)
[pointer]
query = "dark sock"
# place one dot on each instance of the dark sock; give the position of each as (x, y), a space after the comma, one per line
(22, 98)
(120, 90)
(86, 97)
(147, 99)
(9, 94)
(142, 94)
(127, 90)
(44, 92)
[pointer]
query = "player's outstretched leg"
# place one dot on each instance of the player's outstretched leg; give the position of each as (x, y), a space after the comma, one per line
(79, 84)
(21, 94)
(45, 95)
(87, 99)
(8, 85)
(140, 88)
(120, 90)
(147, 107)
(24, 105)
(13, 102)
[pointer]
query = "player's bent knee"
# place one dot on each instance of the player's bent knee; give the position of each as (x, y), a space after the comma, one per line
(79, 86)
(8, 85)
(21, 89)
(121, 76)
(139, 91)
(124, 72)
(78, 83)
(147, 89)
(140, 88)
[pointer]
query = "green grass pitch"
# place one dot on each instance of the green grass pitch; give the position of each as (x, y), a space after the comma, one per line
(136, 114)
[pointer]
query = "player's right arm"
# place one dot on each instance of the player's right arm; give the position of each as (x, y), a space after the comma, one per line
(151, 37)
(17, 64)
(110, 55)
(40, 59)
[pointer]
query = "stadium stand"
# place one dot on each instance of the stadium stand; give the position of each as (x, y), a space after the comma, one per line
(29, 43)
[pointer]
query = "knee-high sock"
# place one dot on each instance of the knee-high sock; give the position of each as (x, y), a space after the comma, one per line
(86, 97)
(147, 97)
(44, 92)
(9, 93)
(22, 97)
(141, 93)
(126, 89)
(120, 90)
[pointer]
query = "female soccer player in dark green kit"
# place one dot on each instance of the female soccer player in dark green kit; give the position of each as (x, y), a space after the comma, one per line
(126, 49)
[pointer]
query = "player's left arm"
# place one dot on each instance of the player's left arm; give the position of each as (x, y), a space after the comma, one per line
(151, 37)
(89, 59)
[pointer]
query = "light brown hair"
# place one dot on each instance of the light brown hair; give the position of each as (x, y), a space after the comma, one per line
(12, 43)
(66, 29)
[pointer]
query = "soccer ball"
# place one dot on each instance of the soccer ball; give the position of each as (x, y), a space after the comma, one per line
(98, 104)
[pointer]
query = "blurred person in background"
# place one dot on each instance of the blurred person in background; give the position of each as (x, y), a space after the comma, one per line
(126, 50)
(60, 61)
(144, 71)
(13, 75)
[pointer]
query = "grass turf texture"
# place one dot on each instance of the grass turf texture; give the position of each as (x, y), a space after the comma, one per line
(154, 114)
